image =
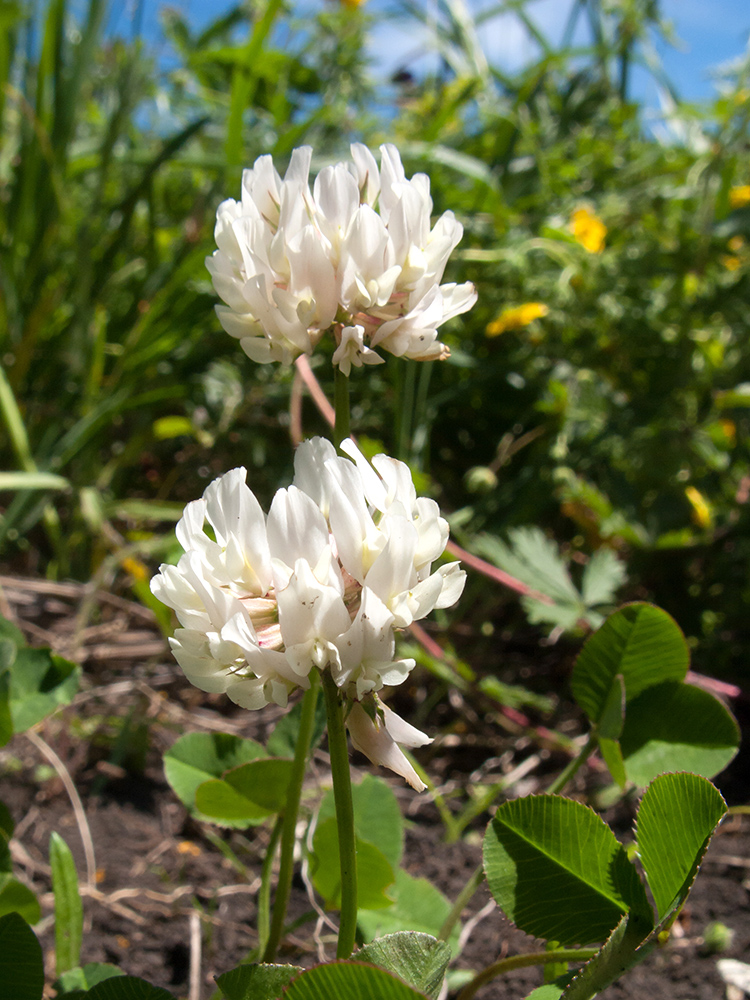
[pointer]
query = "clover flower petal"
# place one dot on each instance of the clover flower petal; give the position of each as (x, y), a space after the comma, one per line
(379, 738)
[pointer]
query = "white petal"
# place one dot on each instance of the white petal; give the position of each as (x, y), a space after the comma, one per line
(376, 743)
(310, 473)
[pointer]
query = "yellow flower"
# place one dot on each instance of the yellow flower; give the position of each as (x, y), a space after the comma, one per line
(588, 229)
(136, 568)
(702, 513)
(730, 430)
(516, 317)
(730, 262)
(740, 196)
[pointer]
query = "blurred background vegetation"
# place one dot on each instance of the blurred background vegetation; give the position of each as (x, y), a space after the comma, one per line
(598, 391)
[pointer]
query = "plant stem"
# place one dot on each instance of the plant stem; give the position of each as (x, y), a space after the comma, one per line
(264, 893)
(289, 826)
(568, 772)
(341, 403)
(458, 907)
(342, 795)
(523, 962)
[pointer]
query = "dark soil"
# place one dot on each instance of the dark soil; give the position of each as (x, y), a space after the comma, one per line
(156, 868)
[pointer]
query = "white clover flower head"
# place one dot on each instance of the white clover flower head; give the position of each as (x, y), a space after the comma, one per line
(356, 255)
(342, 561)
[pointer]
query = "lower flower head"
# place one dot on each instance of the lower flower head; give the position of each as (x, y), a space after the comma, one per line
(343, 559)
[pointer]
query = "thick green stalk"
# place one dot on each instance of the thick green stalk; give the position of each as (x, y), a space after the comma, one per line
(289, 828)
(523, 962)
(342, 795)
(341, 403)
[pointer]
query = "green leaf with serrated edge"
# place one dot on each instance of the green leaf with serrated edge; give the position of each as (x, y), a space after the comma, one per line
(676, 818)
(15, 897)
(374, 873)
(21, 962)
(602, 577)
(283, 740)
(612, 756)
(256, 982)
(417, 906)
(350, 980)
(40, 682)
(68, 906)
(262, 782)
(84, 977)
(377, 816)
(623, 949)
(532, 558)
(674, 727)
(558, 872)
(419, 959)
(641, 642)
(199, 757)
(127, 988)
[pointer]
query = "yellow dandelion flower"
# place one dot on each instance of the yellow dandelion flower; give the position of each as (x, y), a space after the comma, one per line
(739, 196)
(516, 317)
(736, 243)
(588, 230)
(702, 512)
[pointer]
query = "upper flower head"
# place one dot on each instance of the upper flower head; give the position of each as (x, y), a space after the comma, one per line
(343, 559)
(355, 254)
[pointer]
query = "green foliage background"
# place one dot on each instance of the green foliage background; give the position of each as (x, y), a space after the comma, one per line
(619, 419)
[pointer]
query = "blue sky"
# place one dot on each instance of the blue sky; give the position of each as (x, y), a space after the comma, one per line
(710, 33)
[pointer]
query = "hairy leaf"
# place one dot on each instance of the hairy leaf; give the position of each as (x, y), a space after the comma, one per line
(419, 959)
(641, 642)
(350, 980)
(674, 727)
(557, 870)
(677, 816)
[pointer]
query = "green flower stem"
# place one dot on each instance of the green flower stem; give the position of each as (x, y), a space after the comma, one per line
(341, 403)
(568, 772)
(264, 893)
(458, 907)
(342, 795)
(289, 826)
(524, 962)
